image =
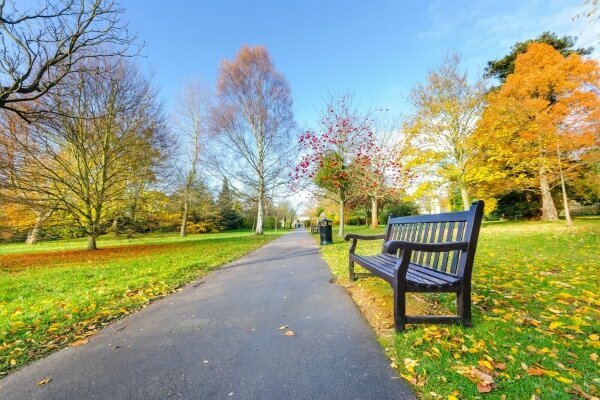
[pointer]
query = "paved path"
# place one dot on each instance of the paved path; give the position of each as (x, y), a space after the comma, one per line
(219, 339)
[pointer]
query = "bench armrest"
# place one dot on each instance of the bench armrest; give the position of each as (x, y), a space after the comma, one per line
(355, 238)
(363, 237)
(392, 246)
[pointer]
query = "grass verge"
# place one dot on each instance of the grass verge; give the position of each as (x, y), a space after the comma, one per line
(57, 293)
(536, 309)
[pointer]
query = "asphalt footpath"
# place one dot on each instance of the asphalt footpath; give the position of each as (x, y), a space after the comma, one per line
(220, 338)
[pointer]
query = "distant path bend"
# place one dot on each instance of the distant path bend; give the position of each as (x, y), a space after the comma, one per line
(219, 338)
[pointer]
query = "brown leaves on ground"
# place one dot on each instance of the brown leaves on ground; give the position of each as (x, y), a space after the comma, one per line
(17, 262)
(79, 342)
(377, 306)
(533, 305)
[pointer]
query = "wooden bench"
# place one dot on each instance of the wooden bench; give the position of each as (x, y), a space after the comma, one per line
(314, 229)
(425, 253)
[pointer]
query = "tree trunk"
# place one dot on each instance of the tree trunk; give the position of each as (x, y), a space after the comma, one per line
(548, 209)
(566, 202)
(91, 242)
(184, 218)
(341, 228)
(115, 226)
(563, 188)
(259, 214)
(374, 219)
(33, 236)
(464, 194)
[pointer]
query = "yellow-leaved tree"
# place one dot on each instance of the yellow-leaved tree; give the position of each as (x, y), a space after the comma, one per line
(540, 126)
(446, 107)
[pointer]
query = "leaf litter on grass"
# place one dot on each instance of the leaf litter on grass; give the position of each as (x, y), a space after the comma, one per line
(535, 304)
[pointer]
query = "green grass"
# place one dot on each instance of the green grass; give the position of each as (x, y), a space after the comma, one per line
(536, 311)
(49, 297)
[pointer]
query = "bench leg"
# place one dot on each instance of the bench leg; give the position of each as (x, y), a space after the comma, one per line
(399, 309)
(463, 303)
(351, 275)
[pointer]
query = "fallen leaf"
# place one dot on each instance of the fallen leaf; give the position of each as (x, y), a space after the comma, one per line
(410, 364)
(44, 381)
(564, 380)
(481, 388)
(289, 333)
(79, 342)
(594, 357)
(554, 325)
(533, 371)
(486, 364)
(283, 327)
(408, 377)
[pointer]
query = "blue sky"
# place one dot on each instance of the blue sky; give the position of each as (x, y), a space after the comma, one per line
(376, 50)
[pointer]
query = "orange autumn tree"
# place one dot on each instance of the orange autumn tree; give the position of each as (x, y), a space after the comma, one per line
(539, 126)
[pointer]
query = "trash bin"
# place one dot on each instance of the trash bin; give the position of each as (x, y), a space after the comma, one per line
(325, 231)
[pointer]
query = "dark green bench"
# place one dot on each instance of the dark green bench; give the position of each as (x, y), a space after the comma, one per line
(425, 253)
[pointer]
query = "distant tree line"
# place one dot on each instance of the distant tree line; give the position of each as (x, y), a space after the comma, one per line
(86, 149)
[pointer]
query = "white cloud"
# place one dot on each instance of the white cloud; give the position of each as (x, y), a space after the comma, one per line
(485, 30)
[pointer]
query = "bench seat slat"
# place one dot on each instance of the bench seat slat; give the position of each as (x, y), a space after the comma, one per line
(383, 265)
(434, 272)
(380, 269)
(425, 275)
(382, 262)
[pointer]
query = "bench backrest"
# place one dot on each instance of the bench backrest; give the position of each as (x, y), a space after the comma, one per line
(441, 228)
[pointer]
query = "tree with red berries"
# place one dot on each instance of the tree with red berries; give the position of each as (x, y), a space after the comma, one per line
(335, 155)
(380, 172)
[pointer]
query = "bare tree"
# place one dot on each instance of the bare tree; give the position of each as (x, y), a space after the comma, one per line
(191, 120)
(253, 124)
(40, 47)
(80, 161)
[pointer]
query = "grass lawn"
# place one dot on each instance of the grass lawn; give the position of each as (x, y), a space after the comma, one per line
(55, 293)
(536, 313)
